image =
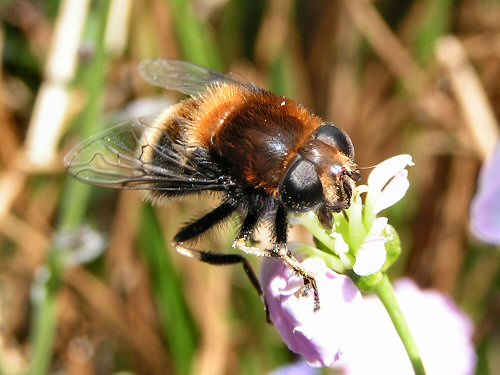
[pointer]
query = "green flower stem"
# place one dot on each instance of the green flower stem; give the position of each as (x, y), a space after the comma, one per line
(312, 224)
(383, 289)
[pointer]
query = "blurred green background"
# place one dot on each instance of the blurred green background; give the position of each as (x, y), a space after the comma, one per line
(88, 281)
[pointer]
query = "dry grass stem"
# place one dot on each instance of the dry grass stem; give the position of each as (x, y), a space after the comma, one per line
(52, 102)
(470, 94)
(385, 43)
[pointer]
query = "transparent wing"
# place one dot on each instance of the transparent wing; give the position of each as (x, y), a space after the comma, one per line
(182, 76)
(116, 159)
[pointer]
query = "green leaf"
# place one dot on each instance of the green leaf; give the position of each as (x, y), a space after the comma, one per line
(176, 321)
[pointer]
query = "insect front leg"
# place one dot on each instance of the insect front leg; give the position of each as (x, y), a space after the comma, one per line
(280, 250)
(281, 229)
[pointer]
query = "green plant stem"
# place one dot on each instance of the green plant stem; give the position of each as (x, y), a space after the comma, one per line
(45, 317)
(383, 289)
(194, 37)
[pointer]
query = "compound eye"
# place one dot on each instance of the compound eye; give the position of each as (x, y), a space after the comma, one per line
(301, 189)
(335, 137)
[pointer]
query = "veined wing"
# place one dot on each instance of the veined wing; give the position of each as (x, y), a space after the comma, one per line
(116, 158)
(187, 78)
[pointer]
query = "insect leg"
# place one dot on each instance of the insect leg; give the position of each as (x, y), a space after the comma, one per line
(280, 249)
(245, 234)
(281, 228)
(204, 223)
(201, 225)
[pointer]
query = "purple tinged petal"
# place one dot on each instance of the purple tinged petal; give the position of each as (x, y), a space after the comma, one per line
(442, 332)
(485, 208)
(299, 368)
(317, 336)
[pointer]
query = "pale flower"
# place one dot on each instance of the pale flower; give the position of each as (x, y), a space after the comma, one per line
(387, 185)
(317, 335)
(298, 368)
(485, 208)
(388, 182)
(442, 332)
(372, 255)
(360, 241)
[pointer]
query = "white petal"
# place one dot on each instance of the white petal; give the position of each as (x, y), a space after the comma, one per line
(378, 226)
(393, 192)
(386, 170)
(341, 247)
(371, 256)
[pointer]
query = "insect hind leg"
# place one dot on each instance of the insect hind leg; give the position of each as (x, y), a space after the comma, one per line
(200, 226)
(204, 223)
(225, 260)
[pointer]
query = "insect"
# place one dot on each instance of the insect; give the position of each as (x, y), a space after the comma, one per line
(266, 155)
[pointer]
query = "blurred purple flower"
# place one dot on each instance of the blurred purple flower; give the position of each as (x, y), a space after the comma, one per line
(442, 332)
(318, 336)
(485, 208)
(298, 368)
